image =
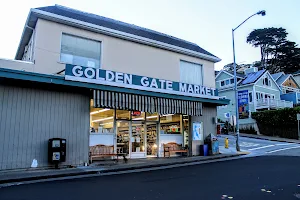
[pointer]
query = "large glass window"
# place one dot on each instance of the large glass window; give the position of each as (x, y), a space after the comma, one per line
(123, 114)
(191, 73)
(80, 51)
(102, 120)
(170, 124)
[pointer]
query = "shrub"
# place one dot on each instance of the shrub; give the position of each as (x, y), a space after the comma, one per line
(282, 122)
(247, 130)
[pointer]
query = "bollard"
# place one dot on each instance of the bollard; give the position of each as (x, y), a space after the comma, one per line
(226, 143)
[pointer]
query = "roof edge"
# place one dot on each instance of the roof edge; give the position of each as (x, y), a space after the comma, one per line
(115, 33)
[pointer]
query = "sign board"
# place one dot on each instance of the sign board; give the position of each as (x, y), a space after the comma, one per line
(111, 78)
(243, 104)
(298, 117)
(197, 131)
(56, 156)
(227, 115)
(136, 113)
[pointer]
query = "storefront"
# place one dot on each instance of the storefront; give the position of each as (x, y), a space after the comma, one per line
(138, 124)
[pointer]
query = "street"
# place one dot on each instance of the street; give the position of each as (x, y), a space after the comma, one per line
(258, 147)
(268, 177)
(270, 171)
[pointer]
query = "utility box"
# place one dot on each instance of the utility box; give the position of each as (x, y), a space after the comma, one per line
(213, 144)
(57, 150)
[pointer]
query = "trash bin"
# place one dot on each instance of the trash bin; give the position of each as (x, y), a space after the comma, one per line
(213, 144)
(204, 150)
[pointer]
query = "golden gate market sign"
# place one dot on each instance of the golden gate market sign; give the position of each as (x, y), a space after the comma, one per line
(106, 77)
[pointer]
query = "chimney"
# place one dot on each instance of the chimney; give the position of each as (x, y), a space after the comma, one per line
(250, 70)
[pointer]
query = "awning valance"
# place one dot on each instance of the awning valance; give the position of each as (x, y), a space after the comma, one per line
(124, 101)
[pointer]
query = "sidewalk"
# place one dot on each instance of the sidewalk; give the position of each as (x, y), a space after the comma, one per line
(11, 176)
(263, 137)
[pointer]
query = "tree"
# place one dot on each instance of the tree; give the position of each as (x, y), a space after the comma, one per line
(277, 53)
(266, 39)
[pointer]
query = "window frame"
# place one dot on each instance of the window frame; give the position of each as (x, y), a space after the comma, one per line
(83, 37)
(201, 65)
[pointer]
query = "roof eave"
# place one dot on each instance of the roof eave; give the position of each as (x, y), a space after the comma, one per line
(119, 34)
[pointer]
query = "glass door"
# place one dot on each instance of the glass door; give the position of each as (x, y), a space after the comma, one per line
(152, 139)
(138, 139)
(123, 137)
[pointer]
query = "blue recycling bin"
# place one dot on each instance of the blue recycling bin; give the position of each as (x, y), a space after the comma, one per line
(205, 150)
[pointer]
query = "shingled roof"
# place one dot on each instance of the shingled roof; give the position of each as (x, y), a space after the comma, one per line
(123, 27)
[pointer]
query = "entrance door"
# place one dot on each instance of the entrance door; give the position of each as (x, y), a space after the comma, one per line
(138, 139)
(152, 148)
(123, 137)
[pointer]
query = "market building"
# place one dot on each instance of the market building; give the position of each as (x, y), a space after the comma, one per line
(97, 81)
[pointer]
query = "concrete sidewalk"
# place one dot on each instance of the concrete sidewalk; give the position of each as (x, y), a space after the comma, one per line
(271, 138)
(13, 176)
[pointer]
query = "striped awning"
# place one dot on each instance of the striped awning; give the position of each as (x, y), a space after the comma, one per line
(133, 102)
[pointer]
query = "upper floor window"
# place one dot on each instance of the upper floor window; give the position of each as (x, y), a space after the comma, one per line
(227, 82)
(266, 81)
(191, 73)
(80, 51)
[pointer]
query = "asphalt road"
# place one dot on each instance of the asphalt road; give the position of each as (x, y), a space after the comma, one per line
(258, 147)
(264, 177)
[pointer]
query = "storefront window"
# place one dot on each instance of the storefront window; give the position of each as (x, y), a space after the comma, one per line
(138, 137)
(170, 124)
(102, 120)
(123, 114)
(137, 115)
(152, 116)
(186, 124)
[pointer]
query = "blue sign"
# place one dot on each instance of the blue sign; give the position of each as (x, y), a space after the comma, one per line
(243, 104)
(119, 79)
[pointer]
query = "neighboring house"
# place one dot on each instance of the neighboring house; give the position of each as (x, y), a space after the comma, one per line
(296, 76)
(263, 93)
(290, 90)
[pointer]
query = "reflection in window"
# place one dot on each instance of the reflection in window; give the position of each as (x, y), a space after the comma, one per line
(80, 51)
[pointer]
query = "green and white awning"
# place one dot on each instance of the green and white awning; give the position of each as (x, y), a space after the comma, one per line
(134, 102)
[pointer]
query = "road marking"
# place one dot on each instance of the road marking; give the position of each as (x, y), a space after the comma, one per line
(282, 149)
(284, 144)
(262, 147)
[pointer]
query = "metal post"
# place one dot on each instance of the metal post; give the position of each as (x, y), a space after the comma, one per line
(236, 96)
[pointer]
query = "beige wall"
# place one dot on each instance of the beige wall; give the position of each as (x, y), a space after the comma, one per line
(17, 65)
(117, 54)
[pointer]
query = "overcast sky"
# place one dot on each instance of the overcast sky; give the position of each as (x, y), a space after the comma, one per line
(205, 22)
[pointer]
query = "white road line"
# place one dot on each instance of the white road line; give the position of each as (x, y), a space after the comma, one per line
(282, 149)
(261, 147)
(285, 144)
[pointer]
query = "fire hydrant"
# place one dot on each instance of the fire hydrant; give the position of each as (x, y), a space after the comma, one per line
(226, 143)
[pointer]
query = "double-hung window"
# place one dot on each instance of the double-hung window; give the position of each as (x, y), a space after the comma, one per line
(80, 51)
(191, 73)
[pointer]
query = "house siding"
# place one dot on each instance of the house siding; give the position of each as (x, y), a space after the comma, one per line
(29, 117)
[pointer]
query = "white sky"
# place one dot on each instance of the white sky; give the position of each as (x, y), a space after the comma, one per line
(205, 22)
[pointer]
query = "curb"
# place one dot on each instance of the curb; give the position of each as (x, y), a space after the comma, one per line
(34, 178)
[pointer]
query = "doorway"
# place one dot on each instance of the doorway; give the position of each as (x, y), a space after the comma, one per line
(123, 137)
(138, 139)
(152, 139)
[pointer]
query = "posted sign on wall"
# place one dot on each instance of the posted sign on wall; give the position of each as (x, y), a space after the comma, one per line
(107, 77)
(243, 104)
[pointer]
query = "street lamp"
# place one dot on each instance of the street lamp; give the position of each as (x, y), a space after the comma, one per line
(262, 13)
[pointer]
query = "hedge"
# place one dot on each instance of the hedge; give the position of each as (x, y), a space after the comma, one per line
(282, 122)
